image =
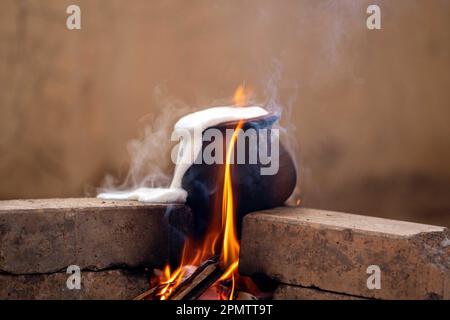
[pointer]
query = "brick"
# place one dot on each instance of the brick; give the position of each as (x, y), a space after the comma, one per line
(332, 250)
(44, 236)
(288, 292)
(111, 284)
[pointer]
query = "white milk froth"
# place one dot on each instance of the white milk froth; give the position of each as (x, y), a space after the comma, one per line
(193, 122)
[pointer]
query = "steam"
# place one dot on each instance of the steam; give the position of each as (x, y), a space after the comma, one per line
(149, 165)
(287, 128)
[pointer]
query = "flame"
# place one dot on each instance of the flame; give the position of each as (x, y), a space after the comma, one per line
(220, 237)
(222, 230)
(230, 248)
(230, 245)
(242, 96)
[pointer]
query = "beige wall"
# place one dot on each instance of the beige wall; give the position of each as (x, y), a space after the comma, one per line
(370, 109)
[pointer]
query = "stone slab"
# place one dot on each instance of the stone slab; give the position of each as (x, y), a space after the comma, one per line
(47, 235)
(332, 251)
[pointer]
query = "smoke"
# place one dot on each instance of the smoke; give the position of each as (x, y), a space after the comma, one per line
(286, 126)
(345, 22)
(150, 154)
(330, 58)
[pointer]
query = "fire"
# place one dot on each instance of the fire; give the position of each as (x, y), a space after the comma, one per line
(242, 95)
(223, 230)
(221, 237)
(230, 246)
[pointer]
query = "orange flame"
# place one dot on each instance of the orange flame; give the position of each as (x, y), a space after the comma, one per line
(194, 253)
(242, 96)
(230, 246)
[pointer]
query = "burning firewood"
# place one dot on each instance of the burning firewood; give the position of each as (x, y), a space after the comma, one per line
(216, 277)
(196, 284)
(241, 295)
(193, 286)
(149, 293)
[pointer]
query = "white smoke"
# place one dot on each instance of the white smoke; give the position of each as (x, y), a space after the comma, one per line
(286, 125)
(150, 164)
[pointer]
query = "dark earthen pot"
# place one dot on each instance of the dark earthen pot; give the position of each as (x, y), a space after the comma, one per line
(252, 191)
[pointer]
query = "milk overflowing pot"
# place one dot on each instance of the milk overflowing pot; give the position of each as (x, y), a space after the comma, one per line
(189, 149)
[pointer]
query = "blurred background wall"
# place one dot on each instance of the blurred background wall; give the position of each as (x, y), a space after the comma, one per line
(370, 110)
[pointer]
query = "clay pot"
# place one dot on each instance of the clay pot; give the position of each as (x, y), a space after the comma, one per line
(252, 191)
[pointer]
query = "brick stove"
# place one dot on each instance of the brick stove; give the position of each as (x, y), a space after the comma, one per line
(311, 254)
